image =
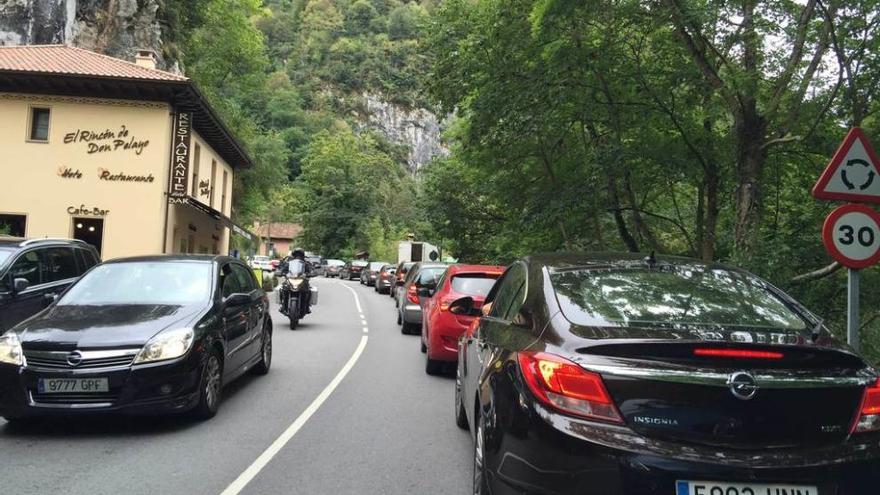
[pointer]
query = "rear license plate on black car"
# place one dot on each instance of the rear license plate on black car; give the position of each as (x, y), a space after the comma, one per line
(72, 385)
(717, 488)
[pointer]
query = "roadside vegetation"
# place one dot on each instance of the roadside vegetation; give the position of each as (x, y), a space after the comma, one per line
(675, 126)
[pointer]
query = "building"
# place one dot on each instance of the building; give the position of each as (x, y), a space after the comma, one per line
(126, 157)
(276, 238)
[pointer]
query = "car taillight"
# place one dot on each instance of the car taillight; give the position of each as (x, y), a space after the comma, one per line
(869, 412)
(737, 353)
(565, 386)
(412, 293)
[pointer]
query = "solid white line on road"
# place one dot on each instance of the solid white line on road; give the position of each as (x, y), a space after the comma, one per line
(251, 472)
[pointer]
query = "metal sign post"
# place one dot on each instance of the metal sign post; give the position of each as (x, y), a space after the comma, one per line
(852, 308)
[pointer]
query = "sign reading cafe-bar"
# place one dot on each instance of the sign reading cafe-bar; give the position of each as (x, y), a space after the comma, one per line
(179, 183)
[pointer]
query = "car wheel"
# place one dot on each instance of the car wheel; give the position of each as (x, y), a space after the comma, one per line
(433, 366)
(424, 347)
(481, 483)
(460, 414)
(399, 319)
(211, 387)
(262, 367)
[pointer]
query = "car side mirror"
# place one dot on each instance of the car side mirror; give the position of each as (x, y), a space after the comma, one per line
(239, 299)
(463, 306)
(20, 285)
(487, 307)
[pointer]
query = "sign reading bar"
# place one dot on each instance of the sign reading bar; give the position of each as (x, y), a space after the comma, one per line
(179, 182)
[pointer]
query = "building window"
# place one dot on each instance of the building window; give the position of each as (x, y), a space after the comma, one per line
(39, 125)
(213, 181)
(197, 155)
(14, 225)
(223, 193)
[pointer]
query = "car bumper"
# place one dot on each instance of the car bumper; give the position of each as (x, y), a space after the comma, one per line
(555, 454)
(445, 332)
(412, 313)
(155, 388)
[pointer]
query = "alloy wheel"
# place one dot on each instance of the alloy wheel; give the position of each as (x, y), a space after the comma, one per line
(479, 459)
(267, 348)
(212, 382)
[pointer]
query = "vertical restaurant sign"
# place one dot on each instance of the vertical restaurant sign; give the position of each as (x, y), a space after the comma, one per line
(182, 135)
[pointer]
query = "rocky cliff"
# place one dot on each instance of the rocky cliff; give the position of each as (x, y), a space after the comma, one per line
(115, 27)
(416, 128)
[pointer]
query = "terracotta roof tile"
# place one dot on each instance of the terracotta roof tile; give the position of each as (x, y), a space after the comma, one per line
(68, 60)
(278, 230)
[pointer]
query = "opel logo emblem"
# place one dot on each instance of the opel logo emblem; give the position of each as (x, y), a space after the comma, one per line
(742, 385)
(74, 358)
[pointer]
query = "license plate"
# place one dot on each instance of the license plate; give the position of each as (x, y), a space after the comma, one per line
(717, 488)
(72, 385)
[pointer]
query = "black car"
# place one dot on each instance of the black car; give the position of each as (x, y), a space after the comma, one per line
(142, 335)
(612, 374)
(352, 270)
(33, 272)
(371, 272)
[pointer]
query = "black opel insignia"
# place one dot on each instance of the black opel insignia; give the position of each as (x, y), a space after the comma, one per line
(142, 335)
(612, 374)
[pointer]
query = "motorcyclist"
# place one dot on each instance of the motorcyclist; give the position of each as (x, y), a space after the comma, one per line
(296, 266)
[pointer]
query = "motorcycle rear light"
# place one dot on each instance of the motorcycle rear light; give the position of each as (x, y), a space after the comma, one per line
(412, 293)
(737, 354)
(869, 412)
(566, 387)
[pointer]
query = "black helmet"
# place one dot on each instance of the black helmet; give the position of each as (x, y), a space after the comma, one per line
(298, 253)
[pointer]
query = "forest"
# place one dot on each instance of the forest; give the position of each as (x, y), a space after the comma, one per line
(683, 127)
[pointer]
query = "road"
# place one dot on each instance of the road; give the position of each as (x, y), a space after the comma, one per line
(387, 427)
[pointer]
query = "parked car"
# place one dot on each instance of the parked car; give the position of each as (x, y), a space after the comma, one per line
(333, 267)
(317, 265)
(385, 280)
(400, 275)
(611, 374)
(442, 324)
(33, 272)
(260, 262)
(371, 272)
(352, 269)
(420, 280)
(158, 334)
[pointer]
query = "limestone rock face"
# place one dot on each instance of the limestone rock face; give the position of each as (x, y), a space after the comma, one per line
(416, 128)
(118, 28)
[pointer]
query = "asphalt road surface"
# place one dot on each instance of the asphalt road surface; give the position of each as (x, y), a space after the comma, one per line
(341, 411)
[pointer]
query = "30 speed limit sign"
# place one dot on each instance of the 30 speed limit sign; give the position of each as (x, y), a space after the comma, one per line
(851, 235)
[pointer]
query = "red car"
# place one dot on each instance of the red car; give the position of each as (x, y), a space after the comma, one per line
(443, 322)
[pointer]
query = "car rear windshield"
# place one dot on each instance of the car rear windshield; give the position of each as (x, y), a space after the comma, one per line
(430, 275)
(360, 263)
(377, 265)
(406, 266)
(143, 282)
(473, 284)
(680, 295)
(335, 263)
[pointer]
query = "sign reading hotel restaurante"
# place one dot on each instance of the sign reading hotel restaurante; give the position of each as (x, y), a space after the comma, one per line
(179, 184)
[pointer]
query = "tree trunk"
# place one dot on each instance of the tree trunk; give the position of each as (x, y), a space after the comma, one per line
(750, 129)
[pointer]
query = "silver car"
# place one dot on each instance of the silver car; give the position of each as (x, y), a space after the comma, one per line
(419, 285)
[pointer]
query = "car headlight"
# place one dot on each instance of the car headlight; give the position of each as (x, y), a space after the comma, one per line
(167, 345)
(10, 350)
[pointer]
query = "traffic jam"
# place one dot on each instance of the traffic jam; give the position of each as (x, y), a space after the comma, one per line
(572, 373)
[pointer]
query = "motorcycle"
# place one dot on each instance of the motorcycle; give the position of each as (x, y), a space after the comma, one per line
(295, 295)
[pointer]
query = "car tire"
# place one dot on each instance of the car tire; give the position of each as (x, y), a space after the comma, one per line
(460, 414)
(481, 481)
(265, 362)
(424, 348)
(399, 319)
(433, 367)
(210, 387)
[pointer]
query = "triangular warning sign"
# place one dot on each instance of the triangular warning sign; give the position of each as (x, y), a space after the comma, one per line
(853, 174)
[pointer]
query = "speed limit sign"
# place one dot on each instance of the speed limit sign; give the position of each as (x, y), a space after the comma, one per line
(851, 235)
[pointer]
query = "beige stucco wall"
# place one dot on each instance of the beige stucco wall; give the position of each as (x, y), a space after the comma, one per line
(134, 213)
(198, 232)
(30, 171)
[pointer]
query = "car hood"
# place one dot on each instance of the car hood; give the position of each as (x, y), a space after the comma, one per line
(108, 326)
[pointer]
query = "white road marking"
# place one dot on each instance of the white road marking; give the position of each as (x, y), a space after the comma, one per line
(251, 472)
(366, 330)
